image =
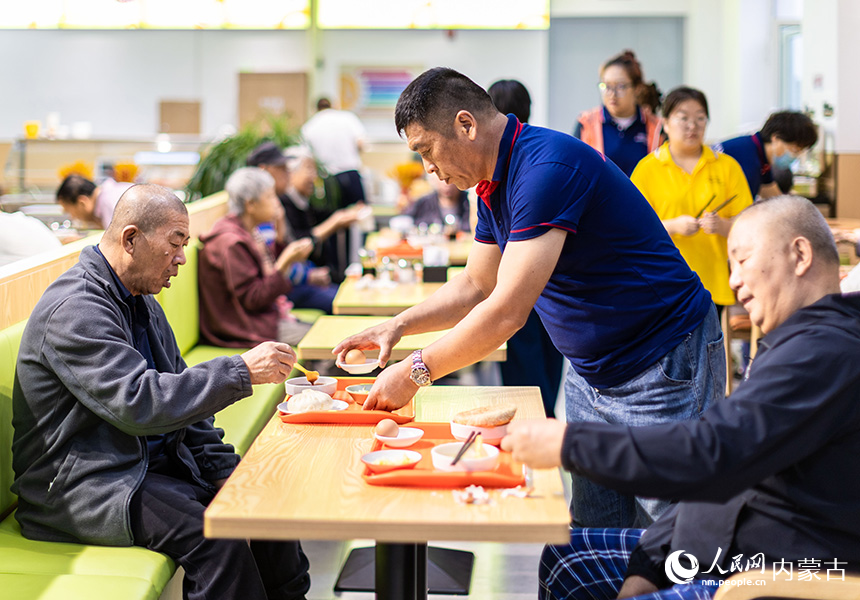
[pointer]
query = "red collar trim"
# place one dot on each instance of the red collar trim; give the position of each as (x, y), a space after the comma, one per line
(485, 189)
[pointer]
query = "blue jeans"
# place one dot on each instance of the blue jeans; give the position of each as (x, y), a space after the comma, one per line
(593, 565)
(679, 386)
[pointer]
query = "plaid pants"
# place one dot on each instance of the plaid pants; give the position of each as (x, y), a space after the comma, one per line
(593, 565)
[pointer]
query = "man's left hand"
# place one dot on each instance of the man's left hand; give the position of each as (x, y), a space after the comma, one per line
(393, 388)
(536, 443)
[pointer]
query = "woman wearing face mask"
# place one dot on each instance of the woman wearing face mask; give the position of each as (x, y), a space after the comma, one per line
(695, 191)
(785, 135)
(625, 127)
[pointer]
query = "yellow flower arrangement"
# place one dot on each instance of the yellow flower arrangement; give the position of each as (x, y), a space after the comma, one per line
(78, 167)
(125, 172)
(406, 173)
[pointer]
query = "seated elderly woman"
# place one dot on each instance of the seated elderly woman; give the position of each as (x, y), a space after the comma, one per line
(243, 285)
(445, 205)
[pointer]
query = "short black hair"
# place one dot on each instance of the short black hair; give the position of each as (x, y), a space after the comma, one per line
(682, 94)
(434, 98)
(73, 186)
(323, 103)
(511, 96)
(791, 127)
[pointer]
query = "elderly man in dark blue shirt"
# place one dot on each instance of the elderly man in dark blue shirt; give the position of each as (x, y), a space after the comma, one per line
(768, 475)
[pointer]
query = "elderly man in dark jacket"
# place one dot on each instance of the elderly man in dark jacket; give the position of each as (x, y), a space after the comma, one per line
(767, 477)
(114, 437)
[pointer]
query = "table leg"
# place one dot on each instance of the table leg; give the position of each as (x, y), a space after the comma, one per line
(446, 571)
(401, 571)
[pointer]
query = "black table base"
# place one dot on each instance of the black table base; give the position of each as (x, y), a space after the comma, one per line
(406, 571)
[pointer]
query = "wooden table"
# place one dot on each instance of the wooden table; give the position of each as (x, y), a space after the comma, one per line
(329, 330)
(304, 481)
(378, 300)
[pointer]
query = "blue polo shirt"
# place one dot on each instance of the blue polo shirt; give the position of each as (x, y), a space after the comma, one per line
(748, 150)
(620, 296)
(624, 147)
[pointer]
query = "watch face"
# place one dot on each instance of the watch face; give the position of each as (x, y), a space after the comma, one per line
(421, 376)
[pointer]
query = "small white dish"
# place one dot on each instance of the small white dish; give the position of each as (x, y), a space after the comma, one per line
(336, 405)
(491, 435)
(406, 436)
(364, 368)
(443, 454)
(390, 460)
(296, 385)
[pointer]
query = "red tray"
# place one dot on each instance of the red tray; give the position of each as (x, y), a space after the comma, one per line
(507, 474)
(352, 415)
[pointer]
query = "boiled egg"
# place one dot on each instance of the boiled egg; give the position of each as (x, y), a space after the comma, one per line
(354, 357)
(387, 428)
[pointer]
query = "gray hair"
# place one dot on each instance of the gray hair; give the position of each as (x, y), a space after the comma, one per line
(296, 155)
(793, 216)
(244, 185)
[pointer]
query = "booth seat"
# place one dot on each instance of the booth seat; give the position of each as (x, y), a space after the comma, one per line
(30, 569)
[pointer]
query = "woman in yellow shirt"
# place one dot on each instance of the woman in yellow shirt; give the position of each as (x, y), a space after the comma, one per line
(695, 192)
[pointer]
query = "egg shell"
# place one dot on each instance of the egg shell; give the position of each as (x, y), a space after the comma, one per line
(354, 357)
(387, 428)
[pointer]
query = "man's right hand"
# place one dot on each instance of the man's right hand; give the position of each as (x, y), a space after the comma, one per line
(295, 252)
(383, 336)
(270, 362)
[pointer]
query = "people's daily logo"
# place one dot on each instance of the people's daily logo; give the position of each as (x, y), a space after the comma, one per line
(676, 572)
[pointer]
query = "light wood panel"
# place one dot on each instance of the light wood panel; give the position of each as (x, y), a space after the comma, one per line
(329, 330)
(304, 481)
(350, 300)
(848, 185)
(23, 282)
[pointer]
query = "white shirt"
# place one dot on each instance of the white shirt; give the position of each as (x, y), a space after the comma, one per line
(334, 137)
(22, 236)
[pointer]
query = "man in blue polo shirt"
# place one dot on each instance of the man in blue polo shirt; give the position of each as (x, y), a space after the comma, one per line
(560, 229)
(783, 138)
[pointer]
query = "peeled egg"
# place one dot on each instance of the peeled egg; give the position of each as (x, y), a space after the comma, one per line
(387, 428)
(354, 357)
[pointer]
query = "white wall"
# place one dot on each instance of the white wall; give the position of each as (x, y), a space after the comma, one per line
(483, 56)
(115, 79)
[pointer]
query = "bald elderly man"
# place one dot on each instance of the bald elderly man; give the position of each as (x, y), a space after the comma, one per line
(769, 474)
(114, 439)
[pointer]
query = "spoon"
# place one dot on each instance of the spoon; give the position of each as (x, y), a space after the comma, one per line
(311, 375)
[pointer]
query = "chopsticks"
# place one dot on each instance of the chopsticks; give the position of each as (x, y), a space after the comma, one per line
(466, 445)
(706, 206)
(719, 208)
(724, 204)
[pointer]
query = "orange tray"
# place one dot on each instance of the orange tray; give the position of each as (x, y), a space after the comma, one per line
(353, 414)
(507, 474)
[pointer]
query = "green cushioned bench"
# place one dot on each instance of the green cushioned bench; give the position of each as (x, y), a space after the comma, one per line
(32, 569)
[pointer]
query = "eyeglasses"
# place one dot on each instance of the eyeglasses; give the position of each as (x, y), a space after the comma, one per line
(685, 120)
(619, 89)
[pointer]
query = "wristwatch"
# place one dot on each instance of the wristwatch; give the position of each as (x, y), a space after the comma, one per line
(420, 374)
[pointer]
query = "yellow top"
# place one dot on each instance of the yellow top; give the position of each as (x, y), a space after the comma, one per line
(673, 192)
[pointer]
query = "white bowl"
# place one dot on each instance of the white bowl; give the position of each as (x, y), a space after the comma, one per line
(364, 368)
(326, 385)
(406, 436)
(405, 459)
(443, 454)
(336, 405)
(491, 435)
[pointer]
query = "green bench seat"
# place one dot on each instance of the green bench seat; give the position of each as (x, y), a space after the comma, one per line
(24, 586)
(31, 569)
